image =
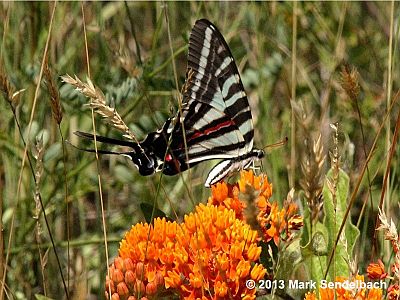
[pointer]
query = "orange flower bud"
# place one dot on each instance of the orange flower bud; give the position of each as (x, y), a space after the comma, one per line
(219, 191)
(257, 272)
(151, 288)
(122, 289)
(254, 252)
(236, 251)
(159, 279)
(130, 278)
(119, 264)
(190, 223)
(243, 269)
(110, 286)
(115, 297)
(376, 270)
(140, 270)
(117, 276)
(171, 229)
(139, 287)
(129, 264)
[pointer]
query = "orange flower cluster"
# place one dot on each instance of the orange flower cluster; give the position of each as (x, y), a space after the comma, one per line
(249, 198)
(342, 293)
(209, 256)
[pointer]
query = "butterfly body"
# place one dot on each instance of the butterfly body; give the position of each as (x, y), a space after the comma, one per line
(214, 122)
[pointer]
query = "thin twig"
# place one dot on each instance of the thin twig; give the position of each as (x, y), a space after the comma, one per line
(293, 96)
(388, 94)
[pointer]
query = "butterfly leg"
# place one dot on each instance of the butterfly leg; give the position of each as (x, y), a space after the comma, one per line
(254, 167)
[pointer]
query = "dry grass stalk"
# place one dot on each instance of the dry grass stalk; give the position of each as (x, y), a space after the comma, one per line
(98, 103)
(126, 59)
(6, 87)
(128, 64)
(312, 162)
(335, 164)
(38, 173)
(312, 181)
(353, 266)
(8, 90)
(38, 233)
(55, 102)
(349, 81)
(188, 82)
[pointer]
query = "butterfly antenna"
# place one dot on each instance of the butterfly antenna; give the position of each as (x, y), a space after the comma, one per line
(104, 139)
(277, 144)
(94, 150)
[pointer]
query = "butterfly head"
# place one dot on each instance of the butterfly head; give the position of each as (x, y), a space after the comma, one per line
(259, 154)
(145, 162)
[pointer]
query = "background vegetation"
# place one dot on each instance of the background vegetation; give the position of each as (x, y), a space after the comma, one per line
(285, 52)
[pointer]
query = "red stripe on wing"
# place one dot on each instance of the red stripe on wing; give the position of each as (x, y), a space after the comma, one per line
(212, 129)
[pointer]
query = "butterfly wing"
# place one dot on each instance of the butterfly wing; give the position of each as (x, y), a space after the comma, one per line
(216, 113)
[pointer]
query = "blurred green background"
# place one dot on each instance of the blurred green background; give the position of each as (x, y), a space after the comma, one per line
(131, 62)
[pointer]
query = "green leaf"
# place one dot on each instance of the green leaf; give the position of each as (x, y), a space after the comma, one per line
(147, 210)
(332, 221)
(315, 252)
(289, 257)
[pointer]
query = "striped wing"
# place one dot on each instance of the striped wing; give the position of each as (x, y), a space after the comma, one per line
(216, 113)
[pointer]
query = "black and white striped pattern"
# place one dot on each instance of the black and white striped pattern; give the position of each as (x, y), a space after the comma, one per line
(216, 93)
(215, 123)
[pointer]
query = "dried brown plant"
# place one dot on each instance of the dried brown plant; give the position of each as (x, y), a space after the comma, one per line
(98, 103)
(312, 161)
(350, 81)
(335, 164)
(55, 102)
(188, 82)
(39, 148)
(38, 173)
(312, 181)
(11, 96)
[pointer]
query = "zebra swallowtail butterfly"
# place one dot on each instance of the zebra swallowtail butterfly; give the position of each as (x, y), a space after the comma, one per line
(215, 117)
